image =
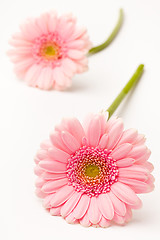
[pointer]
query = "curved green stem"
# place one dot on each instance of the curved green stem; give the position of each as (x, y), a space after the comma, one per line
(111, 37)
(134, 79)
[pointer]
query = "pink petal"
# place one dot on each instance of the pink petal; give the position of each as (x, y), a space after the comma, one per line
(115, 134)
(94, 131)
(40, 194)
(125, 193)
(119, 219)
(39, 182)
(57, 141)
(126, 162)
(138, 151)
(105, 206)
(143, 158)
(85, 221)
(70, 204)
(104, 222)
(42, 154)
(136, 185)
(51, 186)
(93, 211)
(55, 211)
(103, 141)
(119, 206)
(69, 67)
(128, 215)
(128, 136)
(62, 195)
(70, 141)
(70, 218)
(75, 54)
(38, 170)
(47, 200)
(121, 151)
(58, 155)
(132, 174)
(53, 176)
(52, 22)
(46, 144)
(81, 207)
(76, 129)
(53, 166)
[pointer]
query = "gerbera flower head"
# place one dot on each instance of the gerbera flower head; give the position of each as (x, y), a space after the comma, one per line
(49, 50)
(91, 174)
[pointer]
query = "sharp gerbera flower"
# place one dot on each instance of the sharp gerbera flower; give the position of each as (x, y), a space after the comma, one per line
(49, 50)
(92, 174)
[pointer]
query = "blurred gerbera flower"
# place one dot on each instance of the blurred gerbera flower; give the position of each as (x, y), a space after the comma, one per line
(49, 50)
(92, 173)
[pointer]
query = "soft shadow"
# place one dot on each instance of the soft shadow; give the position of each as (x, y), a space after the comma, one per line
(78, 86)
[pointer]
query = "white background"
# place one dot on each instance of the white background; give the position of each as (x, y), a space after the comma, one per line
(28, 114)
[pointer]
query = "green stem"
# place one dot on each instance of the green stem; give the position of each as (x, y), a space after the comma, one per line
(111, 37)
(134, 79)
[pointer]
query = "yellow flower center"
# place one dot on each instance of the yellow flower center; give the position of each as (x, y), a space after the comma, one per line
(50, 51)
(92, 171)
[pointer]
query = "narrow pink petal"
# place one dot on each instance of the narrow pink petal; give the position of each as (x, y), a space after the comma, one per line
(85, 221)
(121, 151)
(51, 186)
(143, 158)
(138, 151)
(70, 204)
(70, 218)
(119, 219)
(105, 206)
(119, 206)
(133, 175)
(104, 222)
(136, 185)
(41, 23)
(103, 141)
(75, 54)
(128, 136)
(59, 76)
(76, 129)
(53, 176)
(93, 211)
(48, 83)
(81, 207)
(125, 193)
(69, 67)
(46, 144)
(140, 139)
(39, 182)
(53, 166)
(55, 211)
(77, 44)
(135, 168)
(38, 170)
(149, 166)
(42, 154)
(58, 155)
(70, 141)
(57, 141)
(52, 22)
(47, 200)
(62, 195)
(115, 134)
(128, 215)
(40, 194)
(94, 131)
(126, 162)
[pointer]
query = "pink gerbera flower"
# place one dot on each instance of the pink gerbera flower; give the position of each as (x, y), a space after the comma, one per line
(92, 174)
(49, 50)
